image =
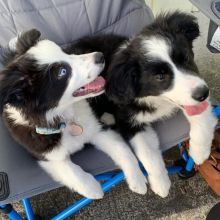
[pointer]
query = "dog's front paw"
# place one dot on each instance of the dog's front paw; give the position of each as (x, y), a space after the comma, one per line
(160, 184)
(90, 187)
(199, 154)
(137, 182)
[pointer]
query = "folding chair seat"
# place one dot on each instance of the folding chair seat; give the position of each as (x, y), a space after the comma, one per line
(26, 178)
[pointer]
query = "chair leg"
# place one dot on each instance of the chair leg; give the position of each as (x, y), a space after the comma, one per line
(10, 212)
(28, 209)
(216, 110)
(115, 180)
(190, 164)
(174, 169)
(187, 164)
(184, 155)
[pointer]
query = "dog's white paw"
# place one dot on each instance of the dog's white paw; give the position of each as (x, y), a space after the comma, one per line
(160, 184)
(199, 154)
(90, 187)
(137, 182)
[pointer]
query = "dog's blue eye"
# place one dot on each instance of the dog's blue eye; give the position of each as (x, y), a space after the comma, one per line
(62, 73)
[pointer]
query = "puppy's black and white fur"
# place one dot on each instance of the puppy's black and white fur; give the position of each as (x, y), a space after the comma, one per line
(37, 88)
(149, 78)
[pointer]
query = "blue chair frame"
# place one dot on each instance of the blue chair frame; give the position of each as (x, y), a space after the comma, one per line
(110, 179)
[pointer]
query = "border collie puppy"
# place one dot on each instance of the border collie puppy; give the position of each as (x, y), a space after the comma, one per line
(149, 78)
(43, 93)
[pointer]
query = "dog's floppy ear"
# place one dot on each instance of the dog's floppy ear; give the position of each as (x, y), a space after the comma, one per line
(120, 86)
(186, 24)
(12, 87)
(26, 40)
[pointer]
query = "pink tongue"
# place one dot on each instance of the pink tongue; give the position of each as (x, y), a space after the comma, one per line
(94, 87)
(99, 81)
(196, 109)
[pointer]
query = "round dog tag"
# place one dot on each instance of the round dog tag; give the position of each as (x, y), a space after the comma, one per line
(75, 129)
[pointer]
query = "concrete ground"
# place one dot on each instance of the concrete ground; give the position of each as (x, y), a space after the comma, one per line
(188, 199)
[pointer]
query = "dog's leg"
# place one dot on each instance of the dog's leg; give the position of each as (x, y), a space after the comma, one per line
(115, 147)
(201, 135)
(74, 177)
(146, 147)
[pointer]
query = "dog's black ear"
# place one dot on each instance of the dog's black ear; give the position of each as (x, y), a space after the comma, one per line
(120, 86)
(12, 87)
(178, 23)
(183, 23)
(26, 40)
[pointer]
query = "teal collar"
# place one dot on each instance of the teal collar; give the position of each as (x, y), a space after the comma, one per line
(49, 131)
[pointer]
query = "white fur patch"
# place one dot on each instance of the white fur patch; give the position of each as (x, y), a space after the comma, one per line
(183, 87)
(81, 114)
(146, 147)
(163, 109)
(73, 176)
(123, 45)
(157, 48)
(12, 43)
(108, 119)
(47, 52)
(15, 115)
(114, 146)
(201, 134)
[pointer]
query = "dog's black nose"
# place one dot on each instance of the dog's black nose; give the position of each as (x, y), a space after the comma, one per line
(201, 93)
(99, 58)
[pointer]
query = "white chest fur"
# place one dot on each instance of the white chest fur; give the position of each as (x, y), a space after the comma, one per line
(81, 114)
(163, 109)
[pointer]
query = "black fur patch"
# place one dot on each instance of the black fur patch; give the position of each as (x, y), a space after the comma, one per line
(34, 143)
(27, 40)
(32, 87)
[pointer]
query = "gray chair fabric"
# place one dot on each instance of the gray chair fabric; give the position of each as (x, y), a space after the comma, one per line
(65, 21)
(206, 6)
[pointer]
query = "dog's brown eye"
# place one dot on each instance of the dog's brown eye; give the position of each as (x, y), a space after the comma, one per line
(160, 77)
(62, 73)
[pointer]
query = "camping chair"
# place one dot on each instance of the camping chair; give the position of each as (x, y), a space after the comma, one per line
(65, 21)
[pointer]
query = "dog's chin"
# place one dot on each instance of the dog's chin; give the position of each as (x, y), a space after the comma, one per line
(192, 107)
(195, 108)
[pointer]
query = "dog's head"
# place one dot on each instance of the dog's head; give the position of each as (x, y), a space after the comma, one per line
(42, 76)
(159, 62)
